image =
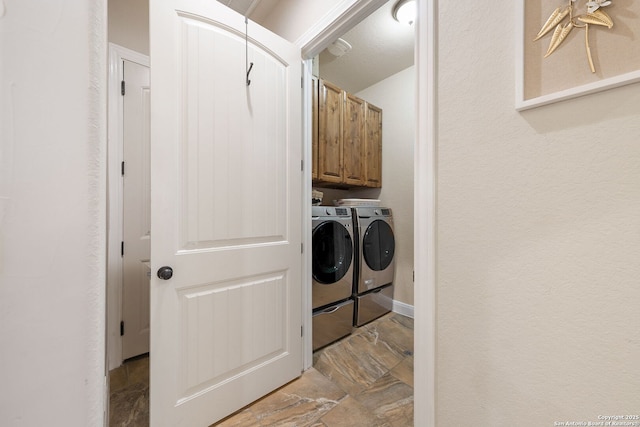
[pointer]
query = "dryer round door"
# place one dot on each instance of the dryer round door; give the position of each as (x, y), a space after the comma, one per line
(332, 252)
(378, 245)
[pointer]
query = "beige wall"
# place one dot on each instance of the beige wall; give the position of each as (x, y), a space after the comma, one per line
(538, 245)
(396, 96)
(129, 24)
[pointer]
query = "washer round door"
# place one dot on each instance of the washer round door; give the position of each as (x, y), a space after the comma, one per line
(378, 245)
(332, 252)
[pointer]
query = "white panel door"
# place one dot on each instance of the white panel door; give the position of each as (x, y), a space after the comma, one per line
(225, 213)
(136, 215)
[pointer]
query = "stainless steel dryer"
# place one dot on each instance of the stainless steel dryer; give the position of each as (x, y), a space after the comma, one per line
(332, 262)
(375, 263)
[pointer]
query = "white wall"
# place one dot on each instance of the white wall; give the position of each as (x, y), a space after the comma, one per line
(52, 212)
(396, 96)
(129, 24)
(538, 243)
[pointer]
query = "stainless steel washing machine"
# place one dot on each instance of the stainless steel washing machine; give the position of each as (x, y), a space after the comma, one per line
(332, 259)
(332, 254)
(373, 290)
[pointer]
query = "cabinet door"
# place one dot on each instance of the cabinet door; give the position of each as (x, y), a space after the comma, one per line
(373, 146)
(330, 133)
(353, 140)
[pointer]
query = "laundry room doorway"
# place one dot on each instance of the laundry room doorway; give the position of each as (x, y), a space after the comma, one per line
(370, 66)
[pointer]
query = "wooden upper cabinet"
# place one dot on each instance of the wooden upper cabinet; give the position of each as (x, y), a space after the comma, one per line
(354, 140)
(347, 138)
(373, 146)
(330, 143)
(314, 128)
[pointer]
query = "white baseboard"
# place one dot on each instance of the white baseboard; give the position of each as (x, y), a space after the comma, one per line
(402, 308)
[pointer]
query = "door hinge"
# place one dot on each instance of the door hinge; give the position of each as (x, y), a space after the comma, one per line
(121, 248)
(122, 90)
(301, 248)
(301, 331)
(302, 82)
(121, 327)
(302, 165)
(122, 168)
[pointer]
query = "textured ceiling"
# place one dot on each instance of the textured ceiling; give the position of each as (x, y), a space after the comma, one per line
(381, 46)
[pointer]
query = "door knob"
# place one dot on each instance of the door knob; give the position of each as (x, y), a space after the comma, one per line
(165, 273)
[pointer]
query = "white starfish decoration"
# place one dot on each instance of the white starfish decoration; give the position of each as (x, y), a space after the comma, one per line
(594, 5)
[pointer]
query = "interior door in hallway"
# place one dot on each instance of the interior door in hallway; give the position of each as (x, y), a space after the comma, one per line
(136, 211)
(225, 212)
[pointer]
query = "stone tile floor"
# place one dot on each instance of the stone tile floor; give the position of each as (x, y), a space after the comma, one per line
(365, 379)
(129, 394)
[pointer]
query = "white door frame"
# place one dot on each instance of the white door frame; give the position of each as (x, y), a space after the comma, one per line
(425, 221)
(336, 23)
(115, 146)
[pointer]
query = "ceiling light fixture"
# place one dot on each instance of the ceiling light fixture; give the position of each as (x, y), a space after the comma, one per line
(405, 11)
